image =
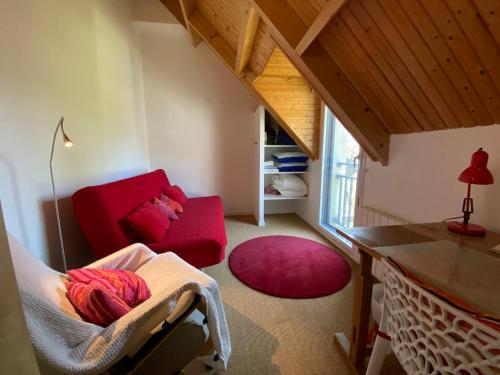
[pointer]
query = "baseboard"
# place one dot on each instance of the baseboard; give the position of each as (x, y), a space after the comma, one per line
(238, 213)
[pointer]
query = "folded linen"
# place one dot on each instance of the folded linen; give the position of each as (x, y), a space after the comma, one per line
(290, 157)
(290, 185)
(292, 167)
(269, 163)
(293, 194)
(271, 170)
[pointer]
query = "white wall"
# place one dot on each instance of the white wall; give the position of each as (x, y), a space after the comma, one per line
(420, 183)
(77, 59)
(150, 11)
(199, 117)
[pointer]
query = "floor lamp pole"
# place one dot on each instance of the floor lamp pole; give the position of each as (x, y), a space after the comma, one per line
(67, 143)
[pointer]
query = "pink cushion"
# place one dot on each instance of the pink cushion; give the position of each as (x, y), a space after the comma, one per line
(174, 205)
(176, 193)
(126, 285)
(166, 208)
(96, 304)
(199, 236)
(149, 222)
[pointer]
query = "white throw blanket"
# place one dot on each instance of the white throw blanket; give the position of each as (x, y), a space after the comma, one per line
(71, 345)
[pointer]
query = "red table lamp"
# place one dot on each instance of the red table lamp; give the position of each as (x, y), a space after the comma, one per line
(478, 174)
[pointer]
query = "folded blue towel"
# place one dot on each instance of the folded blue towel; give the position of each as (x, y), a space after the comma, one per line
(292, 167)
(290, 157)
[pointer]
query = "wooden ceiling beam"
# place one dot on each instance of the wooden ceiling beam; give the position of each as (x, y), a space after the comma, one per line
(202, 26)
(188, 7)
(326, 78)
(329, 10)
(248, 32)
(175, 8)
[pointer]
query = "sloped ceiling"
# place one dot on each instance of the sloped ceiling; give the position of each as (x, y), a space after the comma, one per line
(294, 102)
(383, 66)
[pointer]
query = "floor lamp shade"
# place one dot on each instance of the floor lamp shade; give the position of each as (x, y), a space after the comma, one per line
(67, 143)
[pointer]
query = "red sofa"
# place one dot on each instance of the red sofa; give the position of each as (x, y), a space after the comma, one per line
(199, 236)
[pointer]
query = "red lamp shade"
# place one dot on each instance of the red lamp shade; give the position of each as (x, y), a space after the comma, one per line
(477, 173)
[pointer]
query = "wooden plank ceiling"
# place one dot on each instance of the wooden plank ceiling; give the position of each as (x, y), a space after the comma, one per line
(382, 66)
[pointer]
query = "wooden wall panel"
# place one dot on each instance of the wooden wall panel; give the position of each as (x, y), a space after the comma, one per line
(490, 13)
(226, 17)
(290, 96)
(262, 50)
(409, 59)
(390, 62)
(326, 78)
(383, 66)
(465, 53)
(430, 66)
(341, 46)
(175, 8)
(279, 66)
(387, 77)
(478, 36)
(431, 36)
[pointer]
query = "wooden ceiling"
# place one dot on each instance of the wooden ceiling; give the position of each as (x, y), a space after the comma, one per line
(383, 66)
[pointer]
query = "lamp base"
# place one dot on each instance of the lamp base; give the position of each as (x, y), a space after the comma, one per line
(467, 229)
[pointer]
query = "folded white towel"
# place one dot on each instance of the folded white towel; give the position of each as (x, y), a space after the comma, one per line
(290, 154)
(269, 163)
(271, 170)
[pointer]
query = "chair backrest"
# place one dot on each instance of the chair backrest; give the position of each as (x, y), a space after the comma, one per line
(429, 336)
(101, 210)
(37, 279)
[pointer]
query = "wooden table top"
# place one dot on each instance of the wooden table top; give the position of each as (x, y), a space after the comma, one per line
(461, 265)
(368, 238)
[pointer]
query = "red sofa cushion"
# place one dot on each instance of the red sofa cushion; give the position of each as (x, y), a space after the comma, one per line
(176, 193)
(149, 221)
(102, 210)
(199, 236)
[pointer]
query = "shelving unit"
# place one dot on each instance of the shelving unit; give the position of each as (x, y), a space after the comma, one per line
(271, 203)
(280, 146)
(272, 197)
(267, 172)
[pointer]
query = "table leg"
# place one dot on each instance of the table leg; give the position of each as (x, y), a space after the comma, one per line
(361, 312)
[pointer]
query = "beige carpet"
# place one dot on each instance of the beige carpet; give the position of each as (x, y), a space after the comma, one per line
(280, 336)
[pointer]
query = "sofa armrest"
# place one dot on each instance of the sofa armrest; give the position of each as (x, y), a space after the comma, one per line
(129, 258)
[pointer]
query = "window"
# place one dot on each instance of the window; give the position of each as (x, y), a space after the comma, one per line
(340, 174)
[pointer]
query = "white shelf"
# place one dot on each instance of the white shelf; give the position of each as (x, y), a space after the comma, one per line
(274, 197)
(280, 146)
(267, 172)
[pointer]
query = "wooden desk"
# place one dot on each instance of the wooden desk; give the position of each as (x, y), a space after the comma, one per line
(425, 249)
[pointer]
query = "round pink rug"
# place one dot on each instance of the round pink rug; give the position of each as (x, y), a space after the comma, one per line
(289, 267)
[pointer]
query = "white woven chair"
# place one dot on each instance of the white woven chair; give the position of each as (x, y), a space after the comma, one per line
(428, 335)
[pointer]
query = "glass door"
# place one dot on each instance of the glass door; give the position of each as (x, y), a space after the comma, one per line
(340, 175)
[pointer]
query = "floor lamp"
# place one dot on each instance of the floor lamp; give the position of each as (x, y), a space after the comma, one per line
(67, 143)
